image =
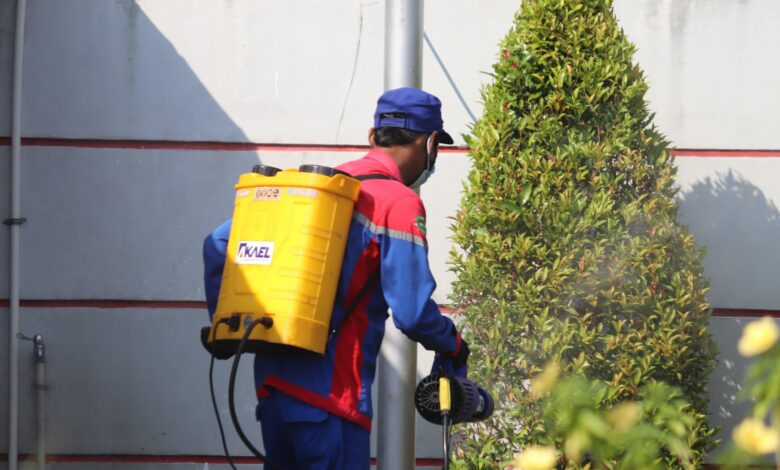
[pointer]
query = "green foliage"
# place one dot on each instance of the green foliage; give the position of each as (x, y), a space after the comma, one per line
(754, 439)
(631, 435)
(569, 246)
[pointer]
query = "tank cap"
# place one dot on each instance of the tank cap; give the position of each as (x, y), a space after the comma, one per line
(265, 170)
(321, 170)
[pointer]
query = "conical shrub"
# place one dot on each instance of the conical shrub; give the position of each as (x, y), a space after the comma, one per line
(567, 242)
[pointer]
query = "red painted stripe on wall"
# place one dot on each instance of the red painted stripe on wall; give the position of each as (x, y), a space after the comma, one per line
(151, 459)
(744, 313)
(708, 153)
(716, 312)
(197, 304)
(139, 144)
(109, 303)
(131, 144)
(116, 303)
(211, 459)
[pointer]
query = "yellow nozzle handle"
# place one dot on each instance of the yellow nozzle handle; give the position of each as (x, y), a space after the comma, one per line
(445, 401)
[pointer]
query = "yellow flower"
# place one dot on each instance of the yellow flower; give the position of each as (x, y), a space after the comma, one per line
(755, 437)
(575, 446)
(543, 383)
(624, 415)
(537, 458)
(758, 336)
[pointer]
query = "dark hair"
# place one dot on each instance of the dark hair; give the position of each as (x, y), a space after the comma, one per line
(390, 136)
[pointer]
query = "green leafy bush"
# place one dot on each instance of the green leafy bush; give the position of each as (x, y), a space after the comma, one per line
(629, 436)
(569, 248)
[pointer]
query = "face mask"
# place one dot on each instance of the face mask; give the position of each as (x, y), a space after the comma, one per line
(429, 169)
(423, 178)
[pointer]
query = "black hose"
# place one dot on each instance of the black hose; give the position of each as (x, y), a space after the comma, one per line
(216, 409)
(231, 399)
(446, 437)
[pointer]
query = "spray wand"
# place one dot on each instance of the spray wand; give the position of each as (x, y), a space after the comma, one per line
(445, 402)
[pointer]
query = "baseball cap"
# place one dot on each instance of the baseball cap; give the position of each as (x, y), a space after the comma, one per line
(411, 109)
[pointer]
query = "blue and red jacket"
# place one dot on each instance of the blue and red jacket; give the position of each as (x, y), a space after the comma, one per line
(387, 234)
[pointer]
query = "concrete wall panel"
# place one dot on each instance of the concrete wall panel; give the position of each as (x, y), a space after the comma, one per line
(127, 381)
(268, 72)
(727, 406)
(712, 82)
(282, 72)
(119, 224)
(4, 410)
(126, 224)
(279, 69)
(731, 206)
(135, 381)
(135, 85)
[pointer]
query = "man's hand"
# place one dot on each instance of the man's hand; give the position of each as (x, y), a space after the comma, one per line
(453, 363)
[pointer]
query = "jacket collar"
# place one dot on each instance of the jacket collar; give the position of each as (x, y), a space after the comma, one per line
(384, 163)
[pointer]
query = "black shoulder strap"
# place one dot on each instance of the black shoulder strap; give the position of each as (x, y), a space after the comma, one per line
(375, 176)
(373, 278)
(366, 289)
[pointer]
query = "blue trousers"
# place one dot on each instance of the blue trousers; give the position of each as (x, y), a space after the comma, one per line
(298, 436)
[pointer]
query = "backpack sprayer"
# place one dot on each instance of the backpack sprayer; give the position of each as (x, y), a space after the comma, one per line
(282, 268)
(446, 401)
(283, 259)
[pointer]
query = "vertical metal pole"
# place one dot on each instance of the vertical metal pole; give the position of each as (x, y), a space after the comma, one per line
(398, 360)
(14, 224)
(403, 43)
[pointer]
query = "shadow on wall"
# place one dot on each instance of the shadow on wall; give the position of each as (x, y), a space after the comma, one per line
(727, 406)
(106, 70)
(740, 228)
(116, 223)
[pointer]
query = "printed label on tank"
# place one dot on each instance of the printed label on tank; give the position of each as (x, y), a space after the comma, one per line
(306, 192)
(267, 194)
(254, 252)
(242, 193)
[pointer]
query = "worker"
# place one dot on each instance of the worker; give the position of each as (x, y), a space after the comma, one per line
(315, 411)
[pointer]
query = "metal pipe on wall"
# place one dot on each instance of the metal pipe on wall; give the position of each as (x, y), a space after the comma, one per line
(15, 225)
(39, 353)
(398, 360)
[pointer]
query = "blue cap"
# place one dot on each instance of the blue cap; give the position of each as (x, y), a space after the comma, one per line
(411, 109)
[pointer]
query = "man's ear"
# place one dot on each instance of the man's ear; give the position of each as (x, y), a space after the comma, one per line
(371, 142)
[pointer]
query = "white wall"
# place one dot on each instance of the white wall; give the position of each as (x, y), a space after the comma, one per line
(126, 223)
(711, 69)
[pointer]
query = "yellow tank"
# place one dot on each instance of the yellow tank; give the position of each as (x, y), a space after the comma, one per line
(284, 258)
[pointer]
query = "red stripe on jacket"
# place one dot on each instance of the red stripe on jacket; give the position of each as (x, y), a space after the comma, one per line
(347, 382)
